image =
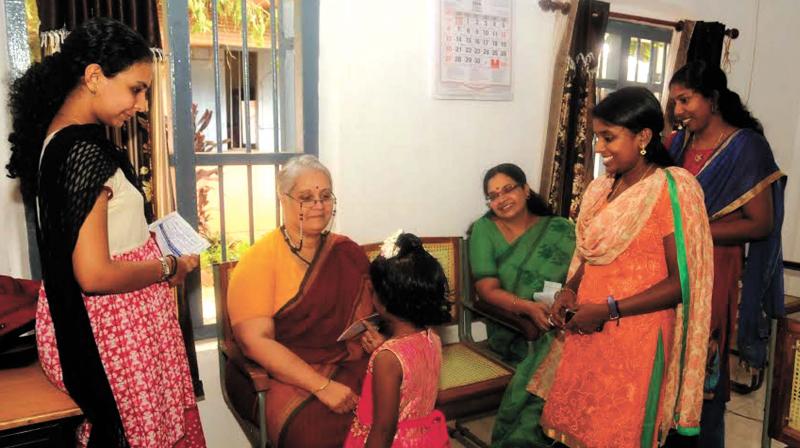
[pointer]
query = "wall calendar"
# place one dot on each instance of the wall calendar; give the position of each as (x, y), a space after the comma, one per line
(473, 57)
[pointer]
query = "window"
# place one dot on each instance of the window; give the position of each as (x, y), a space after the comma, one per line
(633, 55)
(247, 99)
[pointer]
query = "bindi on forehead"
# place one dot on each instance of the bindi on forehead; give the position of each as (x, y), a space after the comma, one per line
(502, 187)
(309, 189)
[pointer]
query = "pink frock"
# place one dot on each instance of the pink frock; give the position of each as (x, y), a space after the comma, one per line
(419, 425)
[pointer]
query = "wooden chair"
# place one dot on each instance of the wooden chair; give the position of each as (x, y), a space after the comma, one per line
(244, 383)
(783, 412)
(473, 379)
(784, 409)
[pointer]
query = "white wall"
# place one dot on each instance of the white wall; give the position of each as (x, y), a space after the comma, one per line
(403, 159)
(775, 100)
(13, 240)
(400, 158)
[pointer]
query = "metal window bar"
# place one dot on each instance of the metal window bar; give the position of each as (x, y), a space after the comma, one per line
(275, 67)
(306, 16)
(246, 90)
(218, 121)
(624, 58)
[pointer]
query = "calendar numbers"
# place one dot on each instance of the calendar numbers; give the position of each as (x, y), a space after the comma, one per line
(478, 38)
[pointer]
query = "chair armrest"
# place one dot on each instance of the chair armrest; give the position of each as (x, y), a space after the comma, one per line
(258, 376)
(518, 323)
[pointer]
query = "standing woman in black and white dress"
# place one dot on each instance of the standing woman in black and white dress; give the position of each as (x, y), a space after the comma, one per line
(106, 326)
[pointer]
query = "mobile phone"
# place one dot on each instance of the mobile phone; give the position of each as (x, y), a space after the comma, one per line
(568, 313)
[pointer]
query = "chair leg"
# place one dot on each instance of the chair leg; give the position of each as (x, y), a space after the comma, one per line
(464, 436)
(263, 442)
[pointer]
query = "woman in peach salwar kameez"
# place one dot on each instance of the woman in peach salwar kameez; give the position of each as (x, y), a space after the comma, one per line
(633, 359)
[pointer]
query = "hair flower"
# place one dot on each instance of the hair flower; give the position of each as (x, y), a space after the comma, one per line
(389, 247)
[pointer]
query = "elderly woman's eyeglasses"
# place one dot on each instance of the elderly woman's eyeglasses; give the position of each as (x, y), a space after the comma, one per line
(495, 195)
(325, 199)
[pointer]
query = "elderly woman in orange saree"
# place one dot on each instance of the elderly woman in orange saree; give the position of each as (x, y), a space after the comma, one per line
(289, 298)
(636, 307)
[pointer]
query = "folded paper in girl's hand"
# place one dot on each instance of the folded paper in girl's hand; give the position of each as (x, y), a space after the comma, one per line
(177, 237)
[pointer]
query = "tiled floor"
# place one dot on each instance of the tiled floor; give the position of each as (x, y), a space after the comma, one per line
(743, 419)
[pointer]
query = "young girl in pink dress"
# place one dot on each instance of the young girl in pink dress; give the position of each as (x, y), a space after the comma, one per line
(396, 408)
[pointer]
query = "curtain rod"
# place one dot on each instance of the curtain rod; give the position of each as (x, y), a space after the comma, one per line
(733, 33)
(553, 5)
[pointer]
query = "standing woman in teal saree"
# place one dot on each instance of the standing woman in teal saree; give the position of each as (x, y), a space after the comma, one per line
(513, 249)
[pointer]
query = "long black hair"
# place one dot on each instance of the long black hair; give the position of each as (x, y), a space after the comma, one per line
(636, 109)
(535, 203)
(412, 284)
(710, 81)
(37, 95)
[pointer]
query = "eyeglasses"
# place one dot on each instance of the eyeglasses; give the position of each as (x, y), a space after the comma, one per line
(495, 195)
(325, 199)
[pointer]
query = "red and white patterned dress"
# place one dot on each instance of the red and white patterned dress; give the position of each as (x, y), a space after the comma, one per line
(137, 335)
(141, 348)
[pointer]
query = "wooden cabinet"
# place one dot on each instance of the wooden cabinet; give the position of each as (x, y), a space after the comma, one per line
(54, 434)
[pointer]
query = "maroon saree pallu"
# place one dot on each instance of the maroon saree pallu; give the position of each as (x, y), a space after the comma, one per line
(334, 293)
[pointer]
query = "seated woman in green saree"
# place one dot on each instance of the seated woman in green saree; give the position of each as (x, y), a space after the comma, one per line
(513, 249)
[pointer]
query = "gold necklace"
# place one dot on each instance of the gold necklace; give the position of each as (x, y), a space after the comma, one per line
(613, 190)
(698, 157)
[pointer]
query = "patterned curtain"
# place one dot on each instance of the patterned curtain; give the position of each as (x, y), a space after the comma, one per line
(679, 49)
(567, 167)
(707, 42)
(162, 186)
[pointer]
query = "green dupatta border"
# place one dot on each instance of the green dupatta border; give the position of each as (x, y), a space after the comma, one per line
(657, 377)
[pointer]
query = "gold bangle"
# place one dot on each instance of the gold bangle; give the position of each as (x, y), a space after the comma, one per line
(323, 387)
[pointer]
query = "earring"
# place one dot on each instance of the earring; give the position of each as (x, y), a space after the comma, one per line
(643, 151)
(328, 229)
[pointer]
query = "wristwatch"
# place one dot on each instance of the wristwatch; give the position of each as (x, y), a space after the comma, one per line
(613, 309)
(165, 268)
